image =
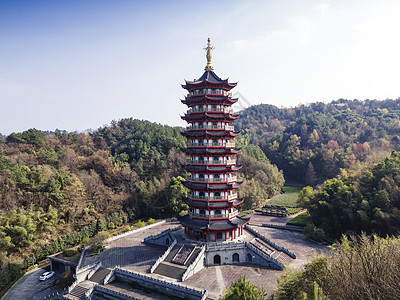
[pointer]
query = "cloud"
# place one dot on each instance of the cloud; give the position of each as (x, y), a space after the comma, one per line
(321, 8)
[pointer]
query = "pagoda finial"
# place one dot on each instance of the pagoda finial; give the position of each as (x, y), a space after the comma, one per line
(208, 56)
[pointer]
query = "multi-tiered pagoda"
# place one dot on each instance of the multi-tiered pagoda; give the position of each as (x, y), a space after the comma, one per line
(211, 152)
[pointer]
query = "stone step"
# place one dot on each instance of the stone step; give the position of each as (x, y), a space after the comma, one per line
(99, 276)
(169, 270)
(78, 291)
(173, 252)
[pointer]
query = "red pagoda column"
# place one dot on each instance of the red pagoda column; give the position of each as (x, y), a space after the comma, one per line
(211, 155)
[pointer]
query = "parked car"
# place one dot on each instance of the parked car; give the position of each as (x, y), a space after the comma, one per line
(46, 275)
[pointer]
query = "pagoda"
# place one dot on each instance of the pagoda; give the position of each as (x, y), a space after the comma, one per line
(211, 159)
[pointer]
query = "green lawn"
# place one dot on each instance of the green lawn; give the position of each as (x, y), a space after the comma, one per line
(289, 197)
(300, 220)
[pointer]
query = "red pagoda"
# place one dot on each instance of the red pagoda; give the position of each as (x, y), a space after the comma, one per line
(211, 152)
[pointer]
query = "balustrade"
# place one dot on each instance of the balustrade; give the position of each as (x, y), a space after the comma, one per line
(215, 216)
(211, 162)
(224, 127)
(229, 197)
(227, 144)
(230, 179)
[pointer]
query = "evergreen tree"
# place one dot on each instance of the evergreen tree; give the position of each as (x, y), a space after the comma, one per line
(311, 178)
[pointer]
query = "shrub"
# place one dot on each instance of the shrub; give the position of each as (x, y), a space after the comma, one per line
(70, 252)
(126, 228)
(151, 221)
(139, 224)
(63, 282)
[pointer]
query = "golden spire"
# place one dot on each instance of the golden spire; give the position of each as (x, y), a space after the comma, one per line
(208, 56)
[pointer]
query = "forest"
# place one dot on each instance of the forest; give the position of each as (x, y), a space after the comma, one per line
(311, 143)
(58, 189)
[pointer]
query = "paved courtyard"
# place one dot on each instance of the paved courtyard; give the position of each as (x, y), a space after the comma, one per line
(130, 250)
(131, 253)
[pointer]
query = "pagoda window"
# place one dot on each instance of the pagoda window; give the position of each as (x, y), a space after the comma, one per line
(202, 194)
(215, 158)
(219, 237)
(214, 124)
(202, 212)
(217, 212)
(216, 176)
(217, 194)
(201, 175)
(215, 142)
(229, 193)
(201, 158)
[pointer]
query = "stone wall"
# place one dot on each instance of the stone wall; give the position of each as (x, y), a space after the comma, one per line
(238, 253)
(161, 286)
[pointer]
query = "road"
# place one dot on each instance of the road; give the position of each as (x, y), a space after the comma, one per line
(29, 287)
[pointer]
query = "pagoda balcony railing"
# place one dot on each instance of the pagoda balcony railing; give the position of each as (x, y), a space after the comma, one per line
(227, 144)
(230, 179)
(225, 127)
(212, 109)
(204, 92)
(215, 216)
(212, 162)
(229, 197)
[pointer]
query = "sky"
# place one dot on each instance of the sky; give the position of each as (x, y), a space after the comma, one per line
(78, 65)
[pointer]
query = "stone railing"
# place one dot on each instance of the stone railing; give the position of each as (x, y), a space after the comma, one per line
(163, 286)
(269, 242)
(264, 256)
(108, 277)
(88, 293)
(211, 162)
(230, 197)
(133, 231)
(191, 268)
(283, 227)
(94, 270)
(227, 144)
(87, 267)
(229, 179)
(214, 216)
(156, 236)
(81, 258)
(57, 296)
(116, 294)
(217, 246)
(161, 258)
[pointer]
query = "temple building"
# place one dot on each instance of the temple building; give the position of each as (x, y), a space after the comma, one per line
(211, 153)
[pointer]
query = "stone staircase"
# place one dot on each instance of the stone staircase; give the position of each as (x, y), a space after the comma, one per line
(170, 270)
(99, 276)
(177, 261)
(78, 292)
(282, 257)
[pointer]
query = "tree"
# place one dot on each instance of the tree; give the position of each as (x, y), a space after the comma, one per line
(243, 289)
(310, 175)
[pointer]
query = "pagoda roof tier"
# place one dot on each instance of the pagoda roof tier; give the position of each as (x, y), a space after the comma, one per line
(210, 134)
(208, 79)
(224, 225)
(212, 169)
(205, 116)
(208, 204)
(212, 152)
(209, 100)
(212, 187)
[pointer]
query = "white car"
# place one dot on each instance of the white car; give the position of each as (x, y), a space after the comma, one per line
(46, 275)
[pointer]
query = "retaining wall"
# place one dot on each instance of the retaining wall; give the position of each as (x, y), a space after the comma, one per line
(162, 286)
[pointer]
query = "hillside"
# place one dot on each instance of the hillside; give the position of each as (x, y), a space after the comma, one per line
(310, 143)
(58, 189)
